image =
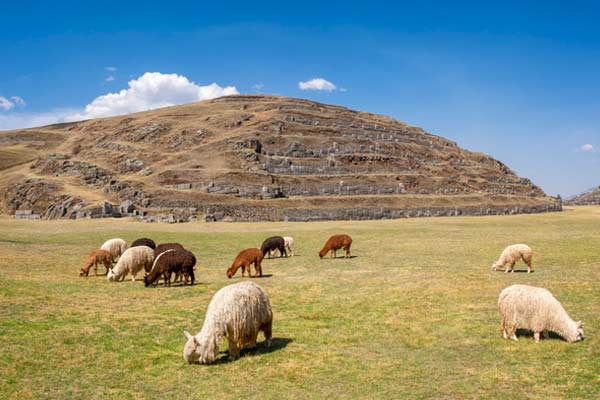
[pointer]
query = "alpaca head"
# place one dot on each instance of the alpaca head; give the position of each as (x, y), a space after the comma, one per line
(194, 352)
(191, 350)
(231, 271)
(110, 276)
(321, 254)
(494, 265)
(146, 281)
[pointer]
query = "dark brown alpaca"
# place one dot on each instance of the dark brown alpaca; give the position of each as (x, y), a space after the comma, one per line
(244, 259)
(97, 257)
(273, 243)
(144, 242)
(336, 242)
(161, 248)
(169, 262)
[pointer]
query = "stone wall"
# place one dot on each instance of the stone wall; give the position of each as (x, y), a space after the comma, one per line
(256, 214)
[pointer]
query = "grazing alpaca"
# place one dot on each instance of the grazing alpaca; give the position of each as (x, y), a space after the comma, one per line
(289, 246)
(511, 255)
(274, 243)
(144, 242)
(169, 262)
(238, 312)
(161, 248)
(115, 247)
(132, 261)
(97, 257)
(244, 259)
(535, 309)
(336, 242)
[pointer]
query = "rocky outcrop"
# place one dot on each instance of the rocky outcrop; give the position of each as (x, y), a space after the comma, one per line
(589, 198)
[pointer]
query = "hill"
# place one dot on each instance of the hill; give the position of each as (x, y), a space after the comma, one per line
(587, 198)
(255, 158)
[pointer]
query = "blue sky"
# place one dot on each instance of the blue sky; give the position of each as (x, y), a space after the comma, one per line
(516, 80)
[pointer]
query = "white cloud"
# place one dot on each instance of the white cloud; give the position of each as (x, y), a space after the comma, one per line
(109, 78)
(110, 69)
(317, 84)
(587, 148)
(258, 86)
(18, 101)
(149, 91)
(6, 104)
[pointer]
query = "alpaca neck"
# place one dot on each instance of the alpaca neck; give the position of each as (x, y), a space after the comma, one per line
(567, 329)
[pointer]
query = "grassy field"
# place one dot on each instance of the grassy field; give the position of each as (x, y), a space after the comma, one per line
(413, 315)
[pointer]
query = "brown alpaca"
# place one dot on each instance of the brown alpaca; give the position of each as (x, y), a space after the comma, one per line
(336, 242)
(96, 257)
(244, 259)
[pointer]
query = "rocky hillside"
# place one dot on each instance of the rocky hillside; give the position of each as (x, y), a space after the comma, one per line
(591, 197)
(254, 158)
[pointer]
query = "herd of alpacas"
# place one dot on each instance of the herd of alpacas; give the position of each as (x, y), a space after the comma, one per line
(240, 311)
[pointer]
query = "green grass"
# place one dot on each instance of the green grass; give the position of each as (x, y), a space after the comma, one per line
(413, 315)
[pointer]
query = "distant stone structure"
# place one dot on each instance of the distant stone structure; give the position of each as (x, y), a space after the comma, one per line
(26, 214)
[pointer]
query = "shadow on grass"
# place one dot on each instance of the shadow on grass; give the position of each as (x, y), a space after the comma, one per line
(254, 277)
(261, 348)
(526, 333)
(518, 271)
(338, 258)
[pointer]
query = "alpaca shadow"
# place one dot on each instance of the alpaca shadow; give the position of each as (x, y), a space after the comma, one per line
(254, 277)
(173, 285)
(341, 258)
(517, 271)
(526, 333)
(261, 348)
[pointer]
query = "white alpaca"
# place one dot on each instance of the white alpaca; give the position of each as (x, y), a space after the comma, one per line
(535, 309)
(115, 247)
(511, 255)
(132, 261)
(238, 312)
(289, 246)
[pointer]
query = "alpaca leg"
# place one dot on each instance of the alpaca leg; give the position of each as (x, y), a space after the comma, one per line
(545, 334)
(347, 252)
(266, 328)
(332, 253)
(536, 337)
(234, 351)
(257, 268)
(528, 262)
(513, 333)
(503, 328)
(249, 267)
(95, 268)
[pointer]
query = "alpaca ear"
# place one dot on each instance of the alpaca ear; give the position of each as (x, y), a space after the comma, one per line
(187, 335)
